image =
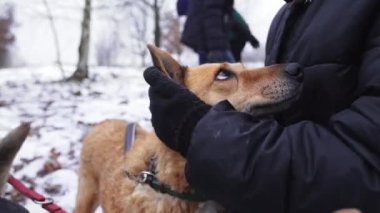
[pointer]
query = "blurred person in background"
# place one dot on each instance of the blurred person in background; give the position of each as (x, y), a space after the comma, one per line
(236, 29)
(206, 30)
(318, 157)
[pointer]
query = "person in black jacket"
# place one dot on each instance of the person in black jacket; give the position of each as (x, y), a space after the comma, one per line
(321, 156)
(206, 31)
(237, 30)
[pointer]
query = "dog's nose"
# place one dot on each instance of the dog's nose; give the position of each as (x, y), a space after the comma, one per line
(294, 70)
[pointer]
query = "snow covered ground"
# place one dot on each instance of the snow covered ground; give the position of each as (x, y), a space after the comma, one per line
(61, 113)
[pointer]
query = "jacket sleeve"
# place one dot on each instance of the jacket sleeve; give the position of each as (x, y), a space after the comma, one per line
(216, 37)
(248, 164)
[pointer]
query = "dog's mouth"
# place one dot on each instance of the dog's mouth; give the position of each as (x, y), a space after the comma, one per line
(273, 107)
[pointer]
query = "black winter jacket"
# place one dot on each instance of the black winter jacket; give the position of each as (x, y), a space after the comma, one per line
(205, 29)
(330, 158)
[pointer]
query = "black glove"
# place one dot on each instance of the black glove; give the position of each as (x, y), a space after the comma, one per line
(175, 110)
(254, 42)
(216, 56)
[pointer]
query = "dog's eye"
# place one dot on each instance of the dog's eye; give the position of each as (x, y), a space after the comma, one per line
(223, 75)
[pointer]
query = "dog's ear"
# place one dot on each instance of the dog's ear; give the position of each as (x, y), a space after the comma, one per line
(163, 61)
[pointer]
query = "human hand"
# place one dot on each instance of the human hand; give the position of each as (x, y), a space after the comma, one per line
(175, 110)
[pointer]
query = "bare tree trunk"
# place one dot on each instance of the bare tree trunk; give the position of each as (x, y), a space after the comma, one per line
(7, 36)
(84, 46)
(141, 28)
(156, 9)
(157, 28)
(171, 34)
(55, 36)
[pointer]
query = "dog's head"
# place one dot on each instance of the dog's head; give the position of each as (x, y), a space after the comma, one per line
(261, 91)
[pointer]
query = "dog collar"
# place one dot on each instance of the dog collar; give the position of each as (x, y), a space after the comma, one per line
(149, 176)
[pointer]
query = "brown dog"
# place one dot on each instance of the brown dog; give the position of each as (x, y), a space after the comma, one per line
(108, 175)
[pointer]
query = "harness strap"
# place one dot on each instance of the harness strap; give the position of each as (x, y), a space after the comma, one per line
(129, 136)
(149, 176)
(46, 203)
(191, 195)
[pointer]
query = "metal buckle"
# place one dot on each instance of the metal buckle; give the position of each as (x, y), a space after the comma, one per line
(44, 202)
(144, 176)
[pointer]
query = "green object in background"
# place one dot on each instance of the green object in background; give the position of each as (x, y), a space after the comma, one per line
(237, 18)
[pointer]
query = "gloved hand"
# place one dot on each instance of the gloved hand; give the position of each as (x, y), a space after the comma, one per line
(175, 110)
(216, 56)
(254, 42)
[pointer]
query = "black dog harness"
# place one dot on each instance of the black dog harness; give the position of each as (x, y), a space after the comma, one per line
(149, 176)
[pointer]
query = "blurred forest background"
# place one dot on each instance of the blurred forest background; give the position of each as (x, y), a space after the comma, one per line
(40, 32)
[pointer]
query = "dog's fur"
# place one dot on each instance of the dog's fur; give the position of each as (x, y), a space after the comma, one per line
(102, 178)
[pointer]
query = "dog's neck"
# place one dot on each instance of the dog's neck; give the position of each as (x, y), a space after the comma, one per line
(170, 167)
